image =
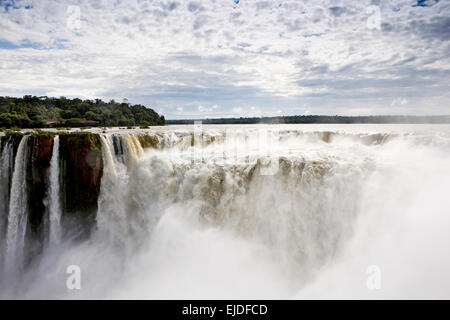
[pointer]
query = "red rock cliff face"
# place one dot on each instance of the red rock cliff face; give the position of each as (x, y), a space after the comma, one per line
(81, 168)
(14, 139)
(38, 165)
(39, 154)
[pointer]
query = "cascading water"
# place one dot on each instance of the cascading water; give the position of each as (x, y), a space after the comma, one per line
(115, 217)
(5, 167)
(54, 196)
(182, 215)
(111, 217)
(17, 216)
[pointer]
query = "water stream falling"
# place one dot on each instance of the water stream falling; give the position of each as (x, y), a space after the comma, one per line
(5, 167)
(54, 195)
(179, 219)
(17, 216)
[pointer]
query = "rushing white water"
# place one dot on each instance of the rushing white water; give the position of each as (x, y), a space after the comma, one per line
(112, 214)
(310, 213)
(5, 168)
(17, 216)
(54, 196)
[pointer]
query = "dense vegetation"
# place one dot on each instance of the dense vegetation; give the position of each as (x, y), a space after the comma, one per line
(36, 112)
(321, 119)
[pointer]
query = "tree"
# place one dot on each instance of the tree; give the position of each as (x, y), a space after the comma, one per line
(31, 111)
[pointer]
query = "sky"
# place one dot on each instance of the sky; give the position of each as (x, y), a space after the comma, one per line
(232, 58)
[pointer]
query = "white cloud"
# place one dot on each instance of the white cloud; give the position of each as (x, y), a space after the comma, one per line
(272, 55)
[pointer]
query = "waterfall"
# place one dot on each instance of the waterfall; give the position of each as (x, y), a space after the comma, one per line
(54, 195)
(5, 168)
(17, 216)
(111, 215)
(337, 203)
(114, 216)
(133, 150)
(106, 201)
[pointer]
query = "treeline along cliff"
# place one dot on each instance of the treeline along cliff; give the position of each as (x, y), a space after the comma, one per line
(37, 112)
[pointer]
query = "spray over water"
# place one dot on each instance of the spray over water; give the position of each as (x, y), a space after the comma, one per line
(214, 215)
(17, 216)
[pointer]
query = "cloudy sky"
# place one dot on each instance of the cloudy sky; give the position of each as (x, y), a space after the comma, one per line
(222, 58)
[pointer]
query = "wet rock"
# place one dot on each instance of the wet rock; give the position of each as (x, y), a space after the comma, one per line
(81, 171)
(149, 141)
(39, 154)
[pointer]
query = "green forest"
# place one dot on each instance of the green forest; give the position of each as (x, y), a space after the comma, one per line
(37, 112)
